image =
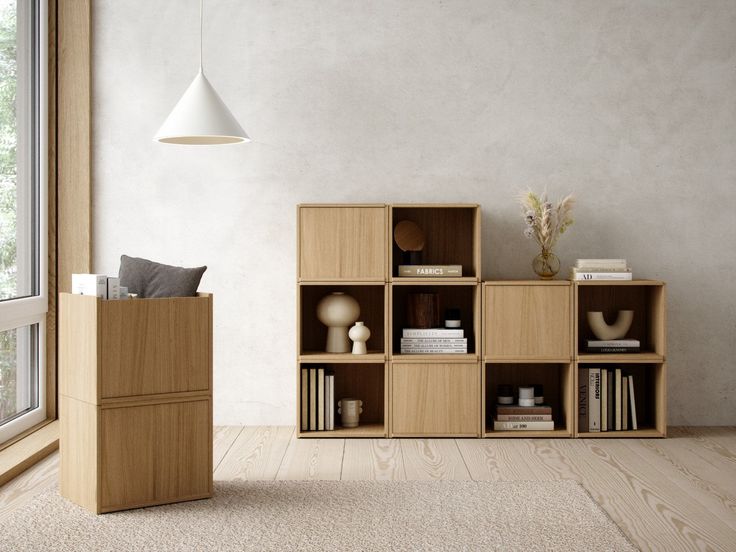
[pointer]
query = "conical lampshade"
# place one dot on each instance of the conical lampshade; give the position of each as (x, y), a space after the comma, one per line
(201, 118)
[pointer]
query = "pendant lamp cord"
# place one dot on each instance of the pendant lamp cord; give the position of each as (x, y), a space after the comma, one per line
(201, 18)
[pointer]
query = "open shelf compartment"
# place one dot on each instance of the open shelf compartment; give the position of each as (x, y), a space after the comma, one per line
(313, 334)
(364, 381)
(465, 297)
(557, 379)
(645, 298)
(650, 397)
(452, 236)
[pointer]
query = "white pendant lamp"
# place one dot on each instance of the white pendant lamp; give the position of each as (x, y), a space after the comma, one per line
(201, 118)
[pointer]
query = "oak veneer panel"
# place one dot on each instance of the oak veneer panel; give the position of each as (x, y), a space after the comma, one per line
(78, 347)
(74, 139)
(435, 399)
(154, 346)
(155, 454)
(342, 243)
(78, 451)
(528, 321)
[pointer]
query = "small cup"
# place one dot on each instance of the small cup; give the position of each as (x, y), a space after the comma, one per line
(350, 411)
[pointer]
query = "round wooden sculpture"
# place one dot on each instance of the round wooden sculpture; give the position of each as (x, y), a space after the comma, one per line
(408, 236)
(423, 310)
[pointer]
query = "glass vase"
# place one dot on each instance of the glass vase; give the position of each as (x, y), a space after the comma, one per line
(546, 265)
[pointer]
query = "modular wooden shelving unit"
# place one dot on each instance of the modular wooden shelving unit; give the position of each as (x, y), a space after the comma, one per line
(350, 248)
(518, 332)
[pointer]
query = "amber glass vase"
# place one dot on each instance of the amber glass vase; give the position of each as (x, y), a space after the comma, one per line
(546, 264)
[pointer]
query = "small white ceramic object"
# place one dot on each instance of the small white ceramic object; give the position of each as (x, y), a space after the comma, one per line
(350, 411)
(359, 334)
(338, 311)
(617, 330)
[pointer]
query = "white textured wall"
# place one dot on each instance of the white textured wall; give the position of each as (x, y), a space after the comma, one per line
(630, 104)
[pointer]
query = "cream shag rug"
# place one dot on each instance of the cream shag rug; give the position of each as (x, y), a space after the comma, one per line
(332, 515)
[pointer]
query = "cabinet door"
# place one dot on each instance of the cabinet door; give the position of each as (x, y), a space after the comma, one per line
(155, 454)
(527, 322)
(436, 399)
(342, 243)
(152, 346)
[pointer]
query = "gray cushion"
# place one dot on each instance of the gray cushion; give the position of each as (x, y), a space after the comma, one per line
(149, 279)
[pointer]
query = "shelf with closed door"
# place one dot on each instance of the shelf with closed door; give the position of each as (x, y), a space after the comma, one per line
(530, 320)
(439, 399)
(342, 242)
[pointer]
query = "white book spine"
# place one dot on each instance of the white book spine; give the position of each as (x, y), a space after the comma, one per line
(523, 426)
(602, 276)
(320, 399)
(331, 402)
(424, 351)
(617, 399)
(614, 343)
(632, 400)
(312, 399)
(304, 421)
(434, 341)
(594, 399)
(433, 332)
(624, 403)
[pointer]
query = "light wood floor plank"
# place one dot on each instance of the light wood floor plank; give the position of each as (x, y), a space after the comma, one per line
(309, 459)
(373, 459)
(27, 485)
(256, 454)
(623, 483)
(223, 438)
(433, 459)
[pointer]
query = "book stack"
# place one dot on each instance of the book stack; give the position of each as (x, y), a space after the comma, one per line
(599, 346)
(431, 271)
(440, 341)
(606, 400)
(600, 269)
(523, 418)
(317, 399)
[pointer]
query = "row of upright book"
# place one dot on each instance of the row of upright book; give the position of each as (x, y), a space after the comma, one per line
(439, 341)
(606, 400)
(317, 399)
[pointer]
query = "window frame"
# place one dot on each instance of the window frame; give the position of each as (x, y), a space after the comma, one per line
(32, 310)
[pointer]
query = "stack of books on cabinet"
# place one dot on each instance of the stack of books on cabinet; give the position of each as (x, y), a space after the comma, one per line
(434, 341)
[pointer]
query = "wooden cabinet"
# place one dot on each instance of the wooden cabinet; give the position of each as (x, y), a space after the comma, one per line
(441, 399)
(528, 320)
(342, 243)
(136, 400)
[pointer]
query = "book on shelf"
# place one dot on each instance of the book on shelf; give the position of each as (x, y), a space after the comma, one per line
(431, 271)
(320, 399)
(587, 275)
(423, 351)
(304, 422)
(513, 410)
(624, 402)
(604, 399)
(611, 265)
(617, 399)
(524, 417)
(611, 400)
(632, 400)
(594, 399)
(523, 426)
(583, 383)
(329, 400)
(597, 346)
(433, 332)
(432, 341)
(313, 399)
